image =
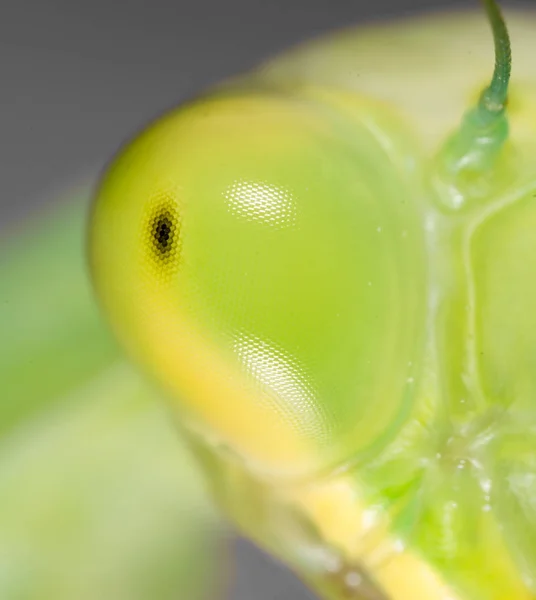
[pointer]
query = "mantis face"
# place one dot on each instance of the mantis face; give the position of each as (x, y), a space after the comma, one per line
(316, 279)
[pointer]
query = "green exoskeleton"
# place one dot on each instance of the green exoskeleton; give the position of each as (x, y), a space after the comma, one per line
(329, 267)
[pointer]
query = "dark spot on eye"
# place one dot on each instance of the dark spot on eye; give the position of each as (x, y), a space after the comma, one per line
(161, 238)
(163, 232)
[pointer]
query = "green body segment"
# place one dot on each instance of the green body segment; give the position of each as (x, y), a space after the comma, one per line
(99, 499)
(345, 330)
(503, 253)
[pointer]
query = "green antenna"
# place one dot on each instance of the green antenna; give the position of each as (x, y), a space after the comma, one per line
(493, 99)
(471, 152)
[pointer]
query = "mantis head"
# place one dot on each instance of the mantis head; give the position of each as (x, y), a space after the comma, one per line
(310, 288)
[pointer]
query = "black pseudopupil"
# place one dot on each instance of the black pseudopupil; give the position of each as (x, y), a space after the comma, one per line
(163, 238)
(163, 233)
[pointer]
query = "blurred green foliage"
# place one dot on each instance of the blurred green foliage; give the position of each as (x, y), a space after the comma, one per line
(99, 500)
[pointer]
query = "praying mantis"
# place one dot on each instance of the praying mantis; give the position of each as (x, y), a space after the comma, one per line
(327, 268)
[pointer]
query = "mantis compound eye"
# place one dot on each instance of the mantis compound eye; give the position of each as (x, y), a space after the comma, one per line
(261, 257)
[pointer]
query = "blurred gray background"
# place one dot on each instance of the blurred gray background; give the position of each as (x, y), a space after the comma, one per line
(77, 77)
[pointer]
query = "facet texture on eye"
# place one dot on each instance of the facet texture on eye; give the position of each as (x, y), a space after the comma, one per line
(262, 202)
(274, 370)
